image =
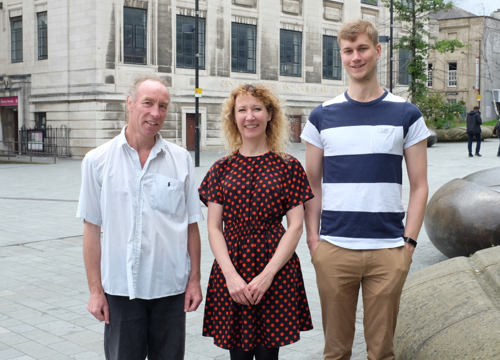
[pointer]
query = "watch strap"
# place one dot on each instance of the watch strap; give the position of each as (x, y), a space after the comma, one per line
(410, 241)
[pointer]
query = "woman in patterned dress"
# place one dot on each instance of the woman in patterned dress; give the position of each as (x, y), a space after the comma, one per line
(256, 300)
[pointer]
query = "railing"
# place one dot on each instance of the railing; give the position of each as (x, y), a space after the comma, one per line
(8, 149)
(47, 141)
(38, 143)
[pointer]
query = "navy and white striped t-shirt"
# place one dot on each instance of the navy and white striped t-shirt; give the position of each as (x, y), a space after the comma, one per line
(363, 146)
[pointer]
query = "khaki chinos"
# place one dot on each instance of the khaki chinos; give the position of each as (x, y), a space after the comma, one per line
(339, 274)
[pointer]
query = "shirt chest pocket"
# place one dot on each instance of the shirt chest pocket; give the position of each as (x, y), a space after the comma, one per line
(167, 195)
(383, 139)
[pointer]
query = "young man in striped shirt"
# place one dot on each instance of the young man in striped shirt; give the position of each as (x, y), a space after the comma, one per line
(355, 147)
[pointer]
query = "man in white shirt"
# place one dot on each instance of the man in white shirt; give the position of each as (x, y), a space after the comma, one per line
(145, 273)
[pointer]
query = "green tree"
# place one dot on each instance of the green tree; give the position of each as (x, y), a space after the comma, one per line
(414, 18)
(439, 114)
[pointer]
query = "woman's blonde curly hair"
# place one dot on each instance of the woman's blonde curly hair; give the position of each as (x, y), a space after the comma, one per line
(278, 128)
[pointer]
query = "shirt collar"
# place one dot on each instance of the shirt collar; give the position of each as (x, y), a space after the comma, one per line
(159, 143)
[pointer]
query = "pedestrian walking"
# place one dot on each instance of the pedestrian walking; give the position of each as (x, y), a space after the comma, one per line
(496, 132)
(474, 130)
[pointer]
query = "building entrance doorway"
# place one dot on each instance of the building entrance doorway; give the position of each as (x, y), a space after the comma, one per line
(190, 131)
(295, 127)
(10, 128)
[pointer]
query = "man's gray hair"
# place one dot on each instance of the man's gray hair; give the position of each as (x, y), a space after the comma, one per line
(140, 79)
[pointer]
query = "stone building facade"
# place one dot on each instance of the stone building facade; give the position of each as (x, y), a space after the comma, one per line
(70, 63)
(472, 75)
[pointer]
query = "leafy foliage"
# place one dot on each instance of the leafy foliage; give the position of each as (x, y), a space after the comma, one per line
(439, 114)
(414, 18)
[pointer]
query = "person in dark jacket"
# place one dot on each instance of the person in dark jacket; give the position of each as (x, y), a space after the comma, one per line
(474, 129)
(496, 133)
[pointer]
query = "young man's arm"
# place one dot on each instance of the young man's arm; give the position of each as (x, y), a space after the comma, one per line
(312, 215)
(416, 164)
(97, 305)
(193, 294)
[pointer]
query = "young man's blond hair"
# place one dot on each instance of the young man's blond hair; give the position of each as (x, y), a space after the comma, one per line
(351, 29)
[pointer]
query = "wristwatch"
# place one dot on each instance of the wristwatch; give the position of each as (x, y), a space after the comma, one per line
(410, 241)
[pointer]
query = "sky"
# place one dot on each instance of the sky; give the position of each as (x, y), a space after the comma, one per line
(478, 7)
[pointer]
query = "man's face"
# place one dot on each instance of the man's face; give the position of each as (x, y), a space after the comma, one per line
(148, 111)
(359, 57)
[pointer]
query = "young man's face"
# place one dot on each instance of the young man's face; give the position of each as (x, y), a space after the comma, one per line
(359, 57)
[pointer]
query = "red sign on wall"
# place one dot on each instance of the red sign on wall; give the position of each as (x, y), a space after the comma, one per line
(8, 101)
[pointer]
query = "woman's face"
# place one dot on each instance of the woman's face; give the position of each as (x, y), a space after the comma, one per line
(251, 117)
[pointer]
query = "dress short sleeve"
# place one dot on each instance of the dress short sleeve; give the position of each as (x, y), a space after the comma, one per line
(210, 189)
(297, 186)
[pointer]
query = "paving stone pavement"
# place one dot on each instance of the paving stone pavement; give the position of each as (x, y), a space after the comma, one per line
(43, 288)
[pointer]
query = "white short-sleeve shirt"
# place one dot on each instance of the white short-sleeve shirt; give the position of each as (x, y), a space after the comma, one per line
(144, 215)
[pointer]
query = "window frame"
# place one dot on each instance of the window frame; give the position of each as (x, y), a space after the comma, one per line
(404, 77)
(287, 41)
(185, 51)
(430, 78)
(40, 120)
(16, 39)
(135, 52)
(331, 54)
(452, 75)
(42, 35)
(243, 49)
(370, 2)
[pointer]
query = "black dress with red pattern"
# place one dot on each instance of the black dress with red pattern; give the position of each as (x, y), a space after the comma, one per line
(256, 192)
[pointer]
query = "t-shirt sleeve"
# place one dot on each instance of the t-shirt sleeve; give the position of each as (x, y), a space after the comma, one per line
(89, 203)
(311, 132)
(192, 202)
(417, 130)
(297, 187)
(210, 189)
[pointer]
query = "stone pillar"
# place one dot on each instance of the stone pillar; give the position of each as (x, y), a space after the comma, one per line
(166, 33)
(218, 38)
(313, 38)
(269, 24)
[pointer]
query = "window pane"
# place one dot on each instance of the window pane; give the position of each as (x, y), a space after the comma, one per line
(290, 53)
(429, 75)
(369, 2)
(331, 58)
(243, 45)
(452, 74)
(185, 55)
(404, 60)
(134, 36)
(42, 35)
(16, 39)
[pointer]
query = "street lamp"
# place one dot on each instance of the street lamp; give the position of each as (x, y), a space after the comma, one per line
(187, 28)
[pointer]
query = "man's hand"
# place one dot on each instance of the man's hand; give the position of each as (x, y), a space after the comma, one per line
(410, 248)
(193, 296)
(312, 243)
(98, 306)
